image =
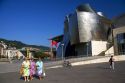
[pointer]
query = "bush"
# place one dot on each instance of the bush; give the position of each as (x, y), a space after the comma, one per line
(41, 55)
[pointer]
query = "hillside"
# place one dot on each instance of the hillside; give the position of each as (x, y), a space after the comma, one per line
(19, 44)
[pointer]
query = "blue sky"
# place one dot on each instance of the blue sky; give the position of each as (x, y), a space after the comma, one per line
(35, 21)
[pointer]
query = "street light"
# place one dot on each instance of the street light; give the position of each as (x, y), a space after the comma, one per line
(62, 50)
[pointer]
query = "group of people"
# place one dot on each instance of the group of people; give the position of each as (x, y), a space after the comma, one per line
(30, 68)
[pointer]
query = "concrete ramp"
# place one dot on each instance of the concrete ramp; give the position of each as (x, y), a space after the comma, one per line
(99, 60)
(85, 61)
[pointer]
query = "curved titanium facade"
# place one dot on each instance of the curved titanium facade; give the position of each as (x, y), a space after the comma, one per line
(86, 26)
(82, 27)
(73, 29)
(90, 27)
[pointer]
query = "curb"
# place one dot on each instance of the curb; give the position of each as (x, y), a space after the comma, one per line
(100, 60)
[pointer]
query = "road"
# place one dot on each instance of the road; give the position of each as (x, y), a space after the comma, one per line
(93, 73)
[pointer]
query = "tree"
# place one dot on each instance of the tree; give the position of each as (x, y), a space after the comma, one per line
(41, 54)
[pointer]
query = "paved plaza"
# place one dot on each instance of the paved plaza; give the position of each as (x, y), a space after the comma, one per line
(93, 73)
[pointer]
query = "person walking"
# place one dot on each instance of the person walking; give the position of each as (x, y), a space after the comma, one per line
(111, 61)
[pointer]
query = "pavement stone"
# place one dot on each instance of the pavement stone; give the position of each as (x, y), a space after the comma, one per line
(92, 73)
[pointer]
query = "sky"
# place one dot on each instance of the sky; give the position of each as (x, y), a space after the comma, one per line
(35, 21)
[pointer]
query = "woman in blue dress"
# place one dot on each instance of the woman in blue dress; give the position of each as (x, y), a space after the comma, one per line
(39, 66)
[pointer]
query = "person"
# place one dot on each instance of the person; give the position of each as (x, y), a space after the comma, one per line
(111, 61)
(21, 71)
(32, 68)
(26, 71)
(66, 64)
(39, 66)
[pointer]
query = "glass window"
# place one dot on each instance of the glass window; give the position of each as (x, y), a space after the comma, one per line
(121, 43)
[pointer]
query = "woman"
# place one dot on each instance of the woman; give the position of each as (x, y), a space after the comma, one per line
(39, 65)
(32, 68)
(26, 71)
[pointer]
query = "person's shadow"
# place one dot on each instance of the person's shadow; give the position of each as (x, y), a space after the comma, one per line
(35, 76)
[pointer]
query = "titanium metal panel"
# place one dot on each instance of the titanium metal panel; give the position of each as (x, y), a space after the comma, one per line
(87, 22)
(73, 28)
(66, 25)
(86, 25)
(85, 8)
(90, 27)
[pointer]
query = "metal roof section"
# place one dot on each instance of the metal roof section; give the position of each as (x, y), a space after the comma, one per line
(58, 38)
(85, 8)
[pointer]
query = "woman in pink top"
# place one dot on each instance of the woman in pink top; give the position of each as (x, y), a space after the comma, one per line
(32, 68)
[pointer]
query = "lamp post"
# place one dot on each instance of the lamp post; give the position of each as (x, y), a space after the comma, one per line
(62, 50)
(27, 52)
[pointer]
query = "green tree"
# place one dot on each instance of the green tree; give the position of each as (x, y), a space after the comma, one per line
(41, 54)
